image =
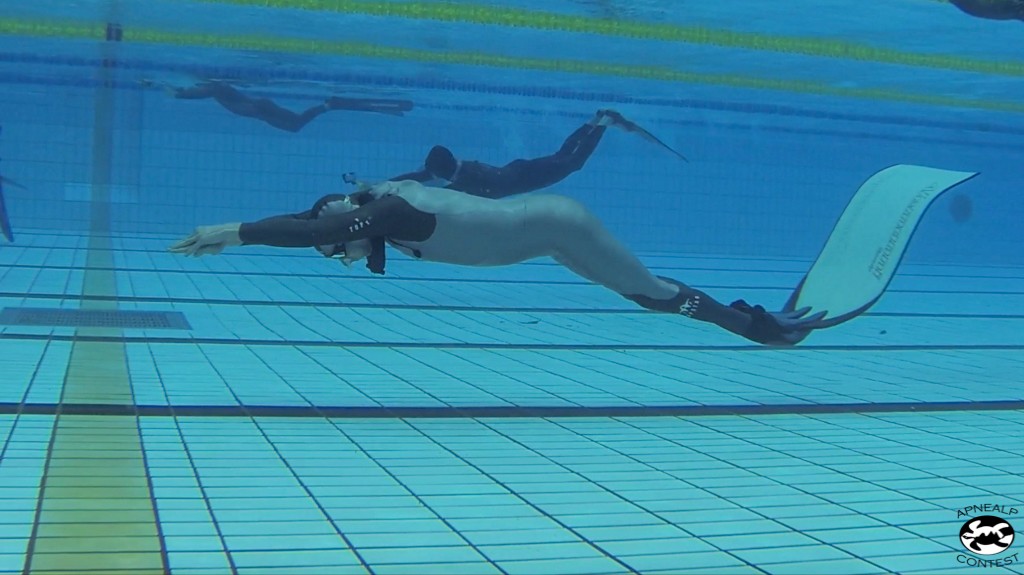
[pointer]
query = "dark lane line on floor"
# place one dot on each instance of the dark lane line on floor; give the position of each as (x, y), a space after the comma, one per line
(482, 281)
(534, 263)
(505, 346)
(344, 277)
(405, 412)
(437, 307)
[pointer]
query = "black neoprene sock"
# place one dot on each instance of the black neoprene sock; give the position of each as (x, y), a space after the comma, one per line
(700, 306)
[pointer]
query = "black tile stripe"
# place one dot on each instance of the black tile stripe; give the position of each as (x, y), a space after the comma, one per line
(436, 307)
(383, 412)
(429, 307)
(525, 346)
(473, 280)
(144, 452)
(255, 252)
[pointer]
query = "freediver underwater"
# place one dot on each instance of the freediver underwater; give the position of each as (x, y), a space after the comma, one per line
(441, 225)
(267, 111)
(443, 169)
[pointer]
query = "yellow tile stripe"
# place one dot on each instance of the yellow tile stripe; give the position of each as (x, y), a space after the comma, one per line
(96, 509)
(375, 51)
(482, 14)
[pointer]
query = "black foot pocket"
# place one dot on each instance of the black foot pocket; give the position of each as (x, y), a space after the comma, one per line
(764, 328)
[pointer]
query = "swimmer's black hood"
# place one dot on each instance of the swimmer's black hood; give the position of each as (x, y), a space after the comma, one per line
(376, 261)
(441, 163)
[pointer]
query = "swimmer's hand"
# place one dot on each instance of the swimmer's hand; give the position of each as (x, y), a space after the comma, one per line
(208, 240)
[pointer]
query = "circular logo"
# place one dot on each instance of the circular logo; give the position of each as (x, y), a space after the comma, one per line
(986, 535)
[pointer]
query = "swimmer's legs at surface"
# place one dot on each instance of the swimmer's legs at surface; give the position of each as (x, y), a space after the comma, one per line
(289, 121)
(284, 119)
(261, 109)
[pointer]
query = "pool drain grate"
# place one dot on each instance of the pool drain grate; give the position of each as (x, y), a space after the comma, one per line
(124, 319)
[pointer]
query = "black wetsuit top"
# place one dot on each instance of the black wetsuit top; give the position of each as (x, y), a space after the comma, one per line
(390, 218)
(520, 176)
(480, 179)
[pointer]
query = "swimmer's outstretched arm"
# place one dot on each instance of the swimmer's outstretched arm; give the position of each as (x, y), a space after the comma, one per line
(386, 217)
(390, 216)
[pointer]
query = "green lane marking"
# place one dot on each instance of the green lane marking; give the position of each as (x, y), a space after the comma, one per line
(498, 61)
(489, 15)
